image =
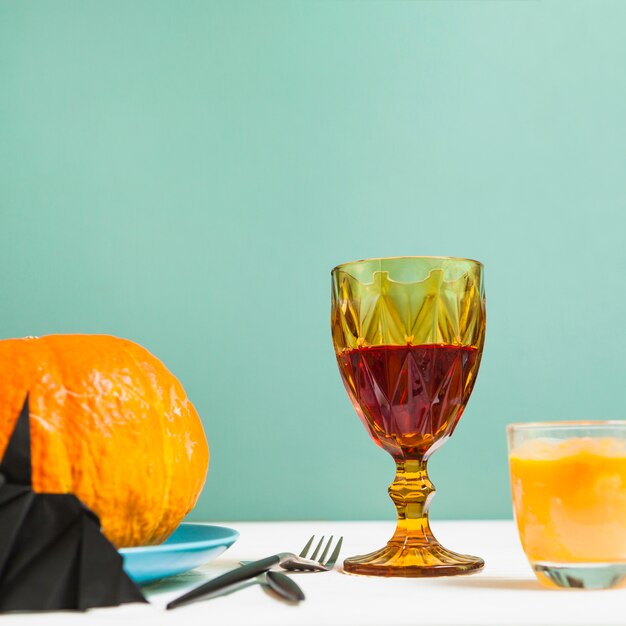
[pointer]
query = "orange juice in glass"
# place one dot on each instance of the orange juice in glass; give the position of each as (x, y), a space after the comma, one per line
(568, 481)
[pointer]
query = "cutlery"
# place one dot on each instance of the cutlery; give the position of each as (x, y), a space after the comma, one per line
(286, 560)
(282, 585)
(295, 566)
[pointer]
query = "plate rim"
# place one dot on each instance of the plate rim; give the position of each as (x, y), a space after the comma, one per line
(187, 545)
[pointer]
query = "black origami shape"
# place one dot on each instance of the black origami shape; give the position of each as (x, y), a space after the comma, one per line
(53, 554)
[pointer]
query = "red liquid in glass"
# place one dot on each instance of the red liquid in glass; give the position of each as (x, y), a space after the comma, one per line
(409, 397)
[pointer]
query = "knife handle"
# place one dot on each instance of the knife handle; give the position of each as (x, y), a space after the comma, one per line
(251, 570)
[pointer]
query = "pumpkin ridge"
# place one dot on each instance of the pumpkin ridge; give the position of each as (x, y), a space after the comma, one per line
(64, 484)
(165, 444)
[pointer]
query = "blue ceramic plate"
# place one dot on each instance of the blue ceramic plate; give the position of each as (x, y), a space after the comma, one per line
(190, 545)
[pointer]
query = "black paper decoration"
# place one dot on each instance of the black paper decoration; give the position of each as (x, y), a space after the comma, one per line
(53, 554)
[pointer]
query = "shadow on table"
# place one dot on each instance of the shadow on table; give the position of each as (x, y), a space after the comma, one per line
(190, 579)
(174, 583)
(480, 582)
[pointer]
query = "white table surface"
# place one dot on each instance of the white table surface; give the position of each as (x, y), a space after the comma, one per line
(504, 593)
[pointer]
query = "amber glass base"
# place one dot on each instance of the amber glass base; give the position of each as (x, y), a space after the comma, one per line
(413, 550)
(417, 562)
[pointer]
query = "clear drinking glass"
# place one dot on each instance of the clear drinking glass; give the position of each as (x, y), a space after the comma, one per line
(568, 481)
(408, 334)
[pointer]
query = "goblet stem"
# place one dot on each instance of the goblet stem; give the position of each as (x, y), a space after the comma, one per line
(413, 550)
(411, 492)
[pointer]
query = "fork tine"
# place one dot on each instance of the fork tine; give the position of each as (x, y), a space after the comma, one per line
(317, 549)
(323, 555)
(335, 555)
(306, 548)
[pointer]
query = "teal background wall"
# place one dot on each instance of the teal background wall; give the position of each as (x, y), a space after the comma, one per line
(186, 174)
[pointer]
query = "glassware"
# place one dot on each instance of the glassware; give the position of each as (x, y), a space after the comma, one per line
(568, 481)
(408, 334)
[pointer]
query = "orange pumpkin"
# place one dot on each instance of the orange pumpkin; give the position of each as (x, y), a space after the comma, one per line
(110, 424)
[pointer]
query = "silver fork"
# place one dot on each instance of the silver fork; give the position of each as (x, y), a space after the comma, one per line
(287, 588)
(300, 563)
(305, 563)
(286, 560)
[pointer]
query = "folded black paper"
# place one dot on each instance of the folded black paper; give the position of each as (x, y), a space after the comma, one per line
(53, 554)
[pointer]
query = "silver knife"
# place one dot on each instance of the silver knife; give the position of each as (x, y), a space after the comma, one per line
(240, 574)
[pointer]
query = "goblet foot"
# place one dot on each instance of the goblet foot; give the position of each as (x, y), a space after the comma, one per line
(413, 561)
